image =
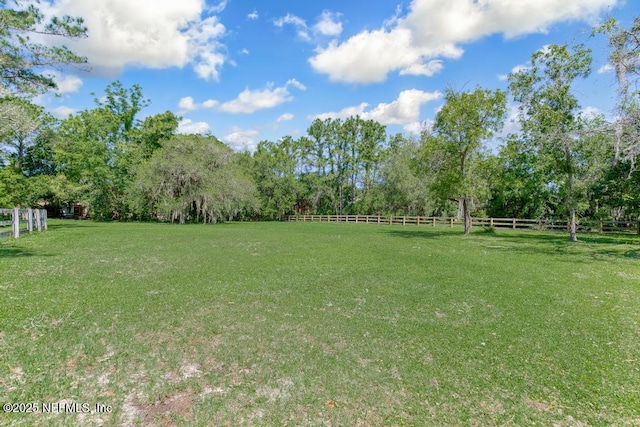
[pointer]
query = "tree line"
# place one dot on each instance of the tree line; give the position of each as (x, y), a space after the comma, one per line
(561, 162)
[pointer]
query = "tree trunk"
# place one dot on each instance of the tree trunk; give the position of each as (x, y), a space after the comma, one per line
(467, 215)
(571, 203)
(572, 226)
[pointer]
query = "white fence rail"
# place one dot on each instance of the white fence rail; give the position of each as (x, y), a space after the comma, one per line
(512, 223)
(15, 221)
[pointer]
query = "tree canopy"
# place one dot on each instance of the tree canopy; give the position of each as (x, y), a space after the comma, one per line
(456, 147)
(550, 115)
(24, 60)
(125, 164)
(194, 178)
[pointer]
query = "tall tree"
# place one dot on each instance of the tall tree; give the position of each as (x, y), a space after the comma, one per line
(124, 104)
(345, 155)
(21, 67)
(521, 188)
(324, 135)
(25, 125)
(154, 130)
(625, 59)
(549, 113)
(456, 149)
(405, 185)
(273, 169)
(194, 179)
(98, 150)
(84, 156)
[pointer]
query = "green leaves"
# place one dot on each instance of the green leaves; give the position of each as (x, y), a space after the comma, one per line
(23, 60)
(455, 150)
(22, 125)
(550, 116)
(194, 179)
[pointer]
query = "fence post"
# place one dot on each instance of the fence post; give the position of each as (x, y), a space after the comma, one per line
(451, 221)
(16, 222)
(390, 219)
(601, 227)
(490, 222)
(404, 219)
(30, 220)
(433, 221)
(418, 220)
(514, 223)
(38, 220)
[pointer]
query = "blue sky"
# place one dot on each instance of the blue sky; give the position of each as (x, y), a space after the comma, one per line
(248, 70)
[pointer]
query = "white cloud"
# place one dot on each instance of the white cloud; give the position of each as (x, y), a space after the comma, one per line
(393, 20)
(253, 15)
(217, 8)
(249, 101)
(69, 84)
(405, 110)
(146, 33)
(357, 110)
(519, 68)
(367, 57)
(512, 122)
(299, 23)
(188, 104)
(545, 49)
(241, 139)
(284, 117)
(63, 112)
(514, 70)
(290, 19)
(205, 51)
(188, 126)
(419, 69)
(435, 29)
(209, 103)
(607, 68)
(245, 51)
(296, 84)
(66, 84)
(590, 112)
(328, 24)
(416, 128)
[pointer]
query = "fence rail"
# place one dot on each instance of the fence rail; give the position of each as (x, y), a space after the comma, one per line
(15, 221)
(512, 223)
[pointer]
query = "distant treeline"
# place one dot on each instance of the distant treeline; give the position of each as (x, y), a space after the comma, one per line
(560, 163)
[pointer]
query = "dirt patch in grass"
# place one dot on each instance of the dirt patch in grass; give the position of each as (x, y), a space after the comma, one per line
(169, 409)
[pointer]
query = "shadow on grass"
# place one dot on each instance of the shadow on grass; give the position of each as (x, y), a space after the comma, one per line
(589, 246)
(430, 233)
(69, 223)
(15, 253)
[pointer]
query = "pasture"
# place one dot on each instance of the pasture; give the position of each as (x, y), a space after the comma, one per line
(318, 324)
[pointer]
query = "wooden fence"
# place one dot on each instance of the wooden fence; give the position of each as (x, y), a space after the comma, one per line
(15, 221)
(512, 223)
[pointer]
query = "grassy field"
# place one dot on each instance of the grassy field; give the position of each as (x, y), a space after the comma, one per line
(318, 324)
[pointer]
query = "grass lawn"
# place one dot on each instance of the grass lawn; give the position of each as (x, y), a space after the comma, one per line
(318, 324)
